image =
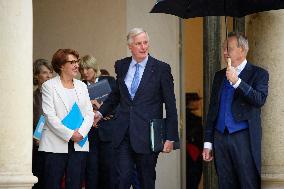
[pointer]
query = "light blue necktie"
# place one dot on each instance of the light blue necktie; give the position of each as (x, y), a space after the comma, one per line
(135, 81)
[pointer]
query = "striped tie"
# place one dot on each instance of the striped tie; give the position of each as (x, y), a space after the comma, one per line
(135, 81)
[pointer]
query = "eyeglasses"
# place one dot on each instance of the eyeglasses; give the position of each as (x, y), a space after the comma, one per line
(73, 61)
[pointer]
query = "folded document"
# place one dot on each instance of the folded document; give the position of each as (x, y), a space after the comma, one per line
(158, 135)
(39, 126)
(100, 90)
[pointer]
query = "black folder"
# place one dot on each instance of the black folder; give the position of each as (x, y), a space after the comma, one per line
(100, 90)
(158, 135)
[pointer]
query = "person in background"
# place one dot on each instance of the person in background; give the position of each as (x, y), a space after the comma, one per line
(42, 71)
(194, 141)
(59, 144)
(144, 84)
(233, 124)
(90, 72)
(105, 75)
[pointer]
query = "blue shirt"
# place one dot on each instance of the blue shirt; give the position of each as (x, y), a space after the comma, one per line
(131, 71)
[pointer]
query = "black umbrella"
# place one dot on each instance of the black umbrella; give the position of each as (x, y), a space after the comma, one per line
(200, 8)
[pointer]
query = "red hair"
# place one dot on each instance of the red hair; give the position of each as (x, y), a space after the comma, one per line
(60, 57)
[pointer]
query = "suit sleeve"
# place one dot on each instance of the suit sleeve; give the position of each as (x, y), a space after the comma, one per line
(167, 86)
(256, 93)
(113, 100)
(211, 115)
(53, 121)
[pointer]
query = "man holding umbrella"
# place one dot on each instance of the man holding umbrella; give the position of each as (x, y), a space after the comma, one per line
(233, 122)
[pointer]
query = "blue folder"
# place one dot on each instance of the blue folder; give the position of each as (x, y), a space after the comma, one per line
(39, 126)
(74, 120)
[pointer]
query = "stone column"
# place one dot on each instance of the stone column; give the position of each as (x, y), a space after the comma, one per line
(211, 64)
(16, 94)
(239, 24)
(266, 39)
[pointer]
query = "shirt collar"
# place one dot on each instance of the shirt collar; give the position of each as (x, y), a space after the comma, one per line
(240, 67)
(143, 63)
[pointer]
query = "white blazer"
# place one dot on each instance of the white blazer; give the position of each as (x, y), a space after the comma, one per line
(55, 135)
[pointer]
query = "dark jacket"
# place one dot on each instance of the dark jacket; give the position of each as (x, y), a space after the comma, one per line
(248, 99)
(156, 87)
(105, 126)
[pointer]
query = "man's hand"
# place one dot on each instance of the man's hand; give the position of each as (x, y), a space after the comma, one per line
(96, 104)
(232, 74)
(76, 137)
(168, 146)
(207, 154)
(97, 118)
(108, 117)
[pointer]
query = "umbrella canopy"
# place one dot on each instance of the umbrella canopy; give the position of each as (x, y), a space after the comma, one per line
(200, 8)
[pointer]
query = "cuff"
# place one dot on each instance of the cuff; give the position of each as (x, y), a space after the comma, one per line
(236, 85)
(208, 145)
(100, 114)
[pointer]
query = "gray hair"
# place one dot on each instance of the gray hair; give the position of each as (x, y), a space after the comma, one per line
(37, 66)
(241, 39)
(134, 32)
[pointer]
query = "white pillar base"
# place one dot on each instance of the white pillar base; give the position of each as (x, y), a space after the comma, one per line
(17, 180)
(272, 181)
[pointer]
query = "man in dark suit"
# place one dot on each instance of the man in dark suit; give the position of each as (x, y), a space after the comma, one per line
(233, 122)
(143, 85)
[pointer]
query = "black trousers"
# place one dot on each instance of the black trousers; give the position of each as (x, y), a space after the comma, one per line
(127, 159)
(92, 171)
(106, 165)
(37, 167)
(71, 163)
(100, 164)
(234, 161)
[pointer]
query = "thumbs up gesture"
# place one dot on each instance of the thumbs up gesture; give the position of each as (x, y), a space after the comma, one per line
(231, 72)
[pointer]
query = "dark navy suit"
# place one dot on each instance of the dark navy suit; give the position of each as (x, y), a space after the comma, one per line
(247, 100)
(131, 129)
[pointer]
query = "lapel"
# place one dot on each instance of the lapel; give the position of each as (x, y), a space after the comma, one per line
(79, 93)
(61, 92)
(246, 73)
(125, 67)
(123, 72)
(147, 74)
(245, 76)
